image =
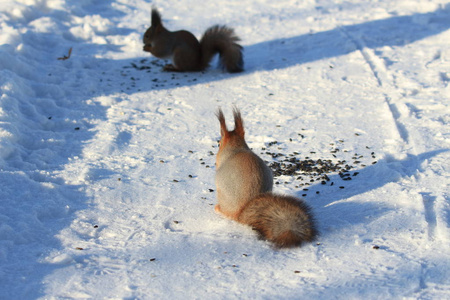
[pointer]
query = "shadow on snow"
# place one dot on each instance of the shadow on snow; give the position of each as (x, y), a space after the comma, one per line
(330, 204)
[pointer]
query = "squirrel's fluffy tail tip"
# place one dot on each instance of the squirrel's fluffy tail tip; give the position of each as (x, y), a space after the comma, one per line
(289, 239)
(234, 63)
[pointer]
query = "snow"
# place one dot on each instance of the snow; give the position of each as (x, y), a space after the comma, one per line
(107, 163)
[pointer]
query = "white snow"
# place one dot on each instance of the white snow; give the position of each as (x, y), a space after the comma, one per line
(107, 163)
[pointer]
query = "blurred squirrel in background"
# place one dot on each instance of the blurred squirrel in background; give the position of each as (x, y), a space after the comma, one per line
(187, 53)
(244, 192)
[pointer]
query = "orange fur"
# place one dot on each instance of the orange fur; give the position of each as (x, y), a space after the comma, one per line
(244, 184)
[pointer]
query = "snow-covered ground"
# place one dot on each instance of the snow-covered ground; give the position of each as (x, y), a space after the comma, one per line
(107, 163)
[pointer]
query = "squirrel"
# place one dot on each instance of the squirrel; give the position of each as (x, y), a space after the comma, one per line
(187, 53)
(244, 192)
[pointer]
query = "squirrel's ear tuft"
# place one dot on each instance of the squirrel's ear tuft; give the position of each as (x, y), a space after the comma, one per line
(223, 125)
(238, 123)
(156, 17)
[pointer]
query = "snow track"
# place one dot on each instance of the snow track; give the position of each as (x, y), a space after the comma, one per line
(384, 80)
(107, 163)
(399, 106)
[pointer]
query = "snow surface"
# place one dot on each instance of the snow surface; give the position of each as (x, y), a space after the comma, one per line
(107, 163)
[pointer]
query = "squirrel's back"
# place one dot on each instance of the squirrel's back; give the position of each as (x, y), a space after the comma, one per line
(241, 177)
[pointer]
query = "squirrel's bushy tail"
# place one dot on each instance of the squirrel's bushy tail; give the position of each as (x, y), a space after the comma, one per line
(222, 40)
(284, 220)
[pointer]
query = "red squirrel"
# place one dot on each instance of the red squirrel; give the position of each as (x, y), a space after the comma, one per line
(187, 53)
(244, 192)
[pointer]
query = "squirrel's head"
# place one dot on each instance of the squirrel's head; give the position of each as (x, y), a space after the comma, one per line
(231, 140)
(155, 28)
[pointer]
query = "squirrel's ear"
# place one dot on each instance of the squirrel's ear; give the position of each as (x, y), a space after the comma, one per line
(238, 123)
(158, 28)
(223, 125)
(156, 17)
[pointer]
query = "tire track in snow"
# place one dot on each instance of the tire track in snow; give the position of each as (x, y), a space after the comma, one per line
(384, 81)
(398, 110)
